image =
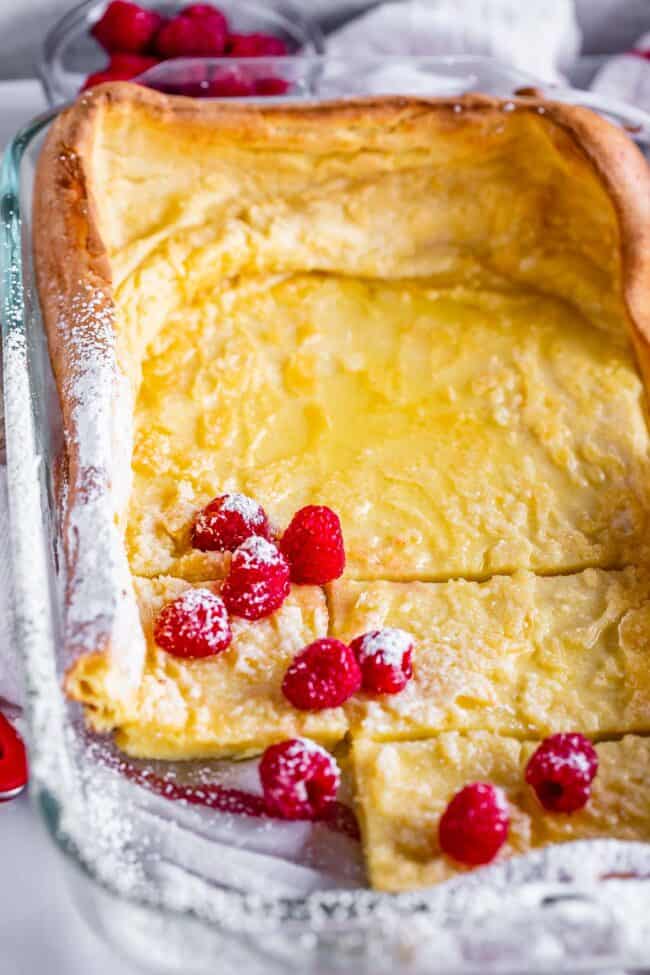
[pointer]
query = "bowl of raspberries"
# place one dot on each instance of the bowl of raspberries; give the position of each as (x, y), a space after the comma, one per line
(235, 49)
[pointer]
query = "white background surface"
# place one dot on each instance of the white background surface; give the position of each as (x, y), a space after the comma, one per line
(41, 932)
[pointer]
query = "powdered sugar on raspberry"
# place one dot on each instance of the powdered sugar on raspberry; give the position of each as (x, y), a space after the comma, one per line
(299, 779)
(193, 625)
(256, 552)
(500, 800)
(201, 602)
(248, 508)
(258, 581)
(301, 745)
(294, 759)
(387, 646)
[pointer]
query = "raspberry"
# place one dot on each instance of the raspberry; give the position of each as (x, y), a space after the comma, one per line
(385, 660)
(255, 46)
(189, 35)
(230, 84)
(561, 771)
(195, 81)
(126, 27)
(299, 779)
(204, 10)
(194, 625)
(121, 67)
(271, 86)
(227, 522)
(475, 824)
(313, 545)
(13, 761)
(323, 675)
(258, 581)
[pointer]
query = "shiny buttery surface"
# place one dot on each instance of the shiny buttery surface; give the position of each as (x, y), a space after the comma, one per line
(456, 432)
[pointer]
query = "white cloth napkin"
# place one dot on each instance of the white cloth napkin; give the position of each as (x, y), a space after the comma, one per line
(538, 36)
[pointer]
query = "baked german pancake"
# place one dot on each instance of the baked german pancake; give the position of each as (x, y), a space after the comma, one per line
(356, 455)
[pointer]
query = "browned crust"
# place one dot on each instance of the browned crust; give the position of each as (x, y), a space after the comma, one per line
(70, 256)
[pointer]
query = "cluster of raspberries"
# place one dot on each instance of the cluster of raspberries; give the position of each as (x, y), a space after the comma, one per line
(310, 552)
(136, 38)
(300, 779)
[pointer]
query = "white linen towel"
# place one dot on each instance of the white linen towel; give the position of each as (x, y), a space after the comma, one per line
(540, 37)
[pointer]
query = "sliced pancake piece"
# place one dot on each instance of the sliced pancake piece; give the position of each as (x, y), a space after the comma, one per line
(227, 705)
(403, 788)
(522, 655)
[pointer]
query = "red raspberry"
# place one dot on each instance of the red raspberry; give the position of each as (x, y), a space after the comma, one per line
(385, 659)
(200, 81)
(121, 67)
(126, 27)
(13, 761)
(193, 625)
(230, 84)
(204, 10)
(475, 824)
(255, 46)
(271, 86)
(299, 779)
(323, 675)
(187, 36)
(227, 522)
(195, 83)
(313, 545)
(258, 581)
(561, 771)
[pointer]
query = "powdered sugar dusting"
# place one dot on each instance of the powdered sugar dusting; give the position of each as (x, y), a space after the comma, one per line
(387, 646)
(201, 599)
(194, 624)
(500, 798)
(306, 744)
(298, 752)
(251, 512)
(101, 607)
(257, 551)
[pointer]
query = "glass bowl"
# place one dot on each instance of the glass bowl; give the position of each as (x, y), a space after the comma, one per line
(181, 890)
(70, 53)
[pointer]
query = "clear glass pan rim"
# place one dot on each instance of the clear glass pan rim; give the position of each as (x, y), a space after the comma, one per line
(468, 69)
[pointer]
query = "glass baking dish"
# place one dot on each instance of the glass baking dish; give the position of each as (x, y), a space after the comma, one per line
(180, 888)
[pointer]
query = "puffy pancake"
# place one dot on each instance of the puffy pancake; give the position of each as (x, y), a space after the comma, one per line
(442, 329)
(521, 655)
(230, 704)
(402, 790)
(457, 431)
